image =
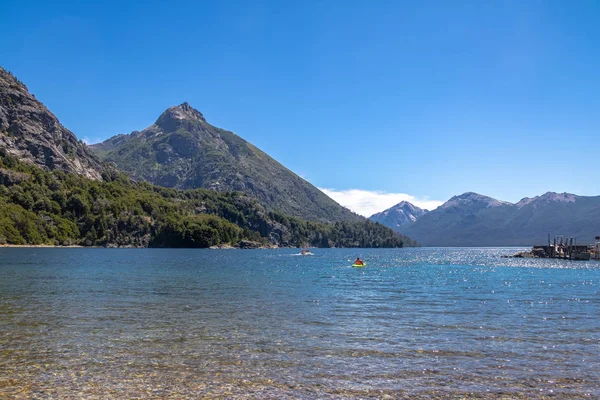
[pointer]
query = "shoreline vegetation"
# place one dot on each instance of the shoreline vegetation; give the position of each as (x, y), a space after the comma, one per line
(34, 246)
(53, 246)
(224, 246)
(56, 208)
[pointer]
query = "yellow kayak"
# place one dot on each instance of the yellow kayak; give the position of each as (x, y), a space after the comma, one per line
(359, 265)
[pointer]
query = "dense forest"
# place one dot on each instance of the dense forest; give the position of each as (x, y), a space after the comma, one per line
(58, 208)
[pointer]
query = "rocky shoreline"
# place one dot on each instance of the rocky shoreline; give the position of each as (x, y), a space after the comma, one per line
(535, 252)
(42, 246)
(244, 244)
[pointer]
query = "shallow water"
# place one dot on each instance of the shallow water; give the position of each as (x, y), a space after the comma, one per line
(432, 323)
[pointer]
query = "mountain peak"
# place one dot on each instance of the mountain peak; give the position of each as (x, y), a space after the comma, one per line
(399, 215)
(547, 198)
(176, 114)
(407, 206)
(562, 197)
(471, 198)
(472, 195)
(189, 111)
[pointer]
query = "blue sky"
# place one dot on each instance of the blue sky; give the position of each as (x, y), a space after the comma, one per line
(417, 100)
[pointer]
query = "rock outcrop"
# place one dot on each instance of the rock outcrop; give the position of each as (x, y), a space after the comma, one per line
(29, 131)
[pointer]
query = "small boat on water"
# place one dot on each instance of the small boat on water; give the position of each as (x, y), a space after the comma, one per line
(359, 265)
(305, 252)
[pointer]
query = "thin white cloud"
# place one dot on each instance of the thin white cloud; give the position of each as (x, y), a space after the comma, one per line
(89, 141)
(367, 203)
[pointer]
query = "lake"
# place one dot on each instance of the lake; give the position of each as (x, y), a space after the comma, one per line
(415, 323)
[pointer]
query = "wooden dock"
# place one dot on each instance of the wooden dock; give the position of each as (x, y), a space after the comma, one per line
(563, 247)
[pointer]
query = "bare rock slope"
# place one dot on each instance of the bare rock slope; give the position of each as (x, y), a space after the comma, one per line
(29, 131)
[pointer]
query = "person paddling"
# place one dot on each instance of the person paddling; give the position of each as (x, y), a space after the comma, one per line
(358, 261)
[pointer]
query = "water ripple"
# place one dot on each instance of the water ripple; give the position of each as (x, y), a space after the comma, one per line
(415, 323)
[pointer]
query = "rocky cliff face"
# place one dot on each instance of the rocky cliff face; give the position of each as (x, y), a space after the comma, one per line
(182, 150)
(401, 214)
(29, 131)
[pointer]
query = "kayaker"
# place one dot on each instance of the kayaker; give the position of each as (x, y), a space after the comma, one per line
(358, 261)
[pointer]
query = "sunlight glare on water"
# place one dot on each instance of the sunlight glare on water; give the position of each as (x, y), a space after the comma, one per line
(268, 324)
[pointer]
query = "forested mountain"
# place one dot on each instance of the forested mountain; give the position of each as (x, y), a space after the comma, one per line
(29, 131)
(53, 190)
(475, 220)
(399, 215)
(182, 150)
(40, 207)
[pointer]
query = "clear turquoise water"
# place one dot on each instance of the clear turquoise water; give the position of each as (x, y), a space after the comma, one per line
(106, 323)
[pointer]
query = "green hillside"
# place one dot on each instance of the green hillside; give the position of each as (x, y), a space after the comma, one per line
(181, 150)
(59, 208)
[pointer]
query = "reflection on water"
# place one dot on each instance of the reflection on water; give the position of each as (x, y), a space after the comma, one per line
(431, 323)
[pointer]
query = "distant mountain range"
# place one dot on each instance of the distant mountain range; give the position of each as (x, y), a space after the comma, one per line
(401, 214)
(182, 150)
(472, 219)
